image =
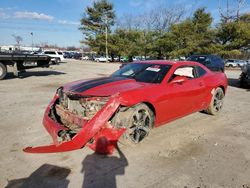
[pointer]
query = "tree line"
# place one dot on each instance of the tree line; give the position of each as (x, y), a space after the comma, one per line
(165, 33)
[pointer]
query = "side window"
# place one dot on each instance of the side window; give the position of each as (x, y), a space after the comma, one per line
(200, 71)
(49, 52)
(187, 71)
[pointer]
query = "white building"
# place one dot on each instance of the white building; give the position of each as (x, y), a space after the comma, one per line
(11, 48)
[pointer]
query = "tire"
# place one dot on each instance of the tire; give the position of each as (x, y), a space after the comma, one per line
(230, 66)
(56, 62)
(216, 103)
(242, 82)
(138, 120)
(3, 71)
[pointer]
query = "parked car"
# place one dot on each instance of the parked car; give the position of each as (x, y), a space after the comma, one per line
(242, 63)
(245, 76)
(77, 55)
(67, 55)
(55, 56)
(85, 57)
(213, 62)
(235, 63)
(102, 59)
(126, 105)
(124, 59)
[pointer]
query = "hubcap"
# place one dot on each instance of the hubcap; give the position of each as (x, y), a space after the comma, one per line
(218, 101)
(140, 126)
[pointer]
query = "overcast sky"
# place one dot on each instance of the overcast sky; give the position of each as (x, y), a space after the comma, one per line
(57, 21)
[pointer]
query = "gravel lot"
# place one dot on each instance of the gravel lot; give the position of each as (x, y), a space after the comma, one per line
(196, 151)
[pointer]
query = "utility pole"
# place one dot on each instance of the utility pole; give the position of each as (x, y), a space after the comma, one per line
(106, 32)
(32, 41)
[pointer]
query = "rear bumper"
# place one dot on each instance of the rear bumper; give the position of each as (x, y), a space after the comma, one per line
(94, 129)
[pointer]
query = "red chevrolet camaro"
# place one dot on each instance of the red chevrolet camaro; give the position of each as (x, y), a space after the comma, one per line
(126, 105)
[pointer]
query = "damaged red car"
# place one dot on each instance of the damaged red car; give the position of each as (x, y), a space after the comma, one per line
(129, 103)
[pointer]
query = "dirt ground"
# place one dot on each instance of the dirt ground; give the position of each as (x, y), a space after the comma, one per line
(196, 151)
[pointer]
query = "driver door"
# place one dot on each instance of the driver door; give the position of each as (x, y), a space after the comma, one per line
(184, 97)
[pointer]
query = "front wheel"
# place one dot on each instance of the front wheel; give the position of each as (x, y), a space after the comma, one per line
(138, 120)
(3, 71)
(216, 103)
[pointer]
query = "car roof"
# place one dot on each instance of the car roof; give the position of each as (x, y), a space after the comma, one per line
(203, 55)
(168, 62)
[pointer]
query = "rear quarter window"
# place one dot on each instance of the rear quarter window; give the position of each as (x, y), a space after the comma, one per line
(200, 71)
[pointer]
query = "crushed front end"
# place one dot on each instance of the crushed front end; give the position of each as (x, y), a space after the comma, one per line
(74, 121)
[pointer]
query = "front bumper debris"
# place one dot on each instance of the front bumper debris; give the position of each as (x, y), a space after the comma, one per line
(96, 130)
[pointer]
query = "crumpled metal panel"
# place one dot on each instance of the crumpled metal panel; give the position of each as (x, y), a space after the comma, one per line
(89, 131)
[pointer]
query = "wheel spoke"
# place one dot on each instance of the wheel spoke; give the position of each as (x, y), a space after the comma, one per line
(132, 129)
(218, 101)
(137, 136)
(145, 129)
(137, 117)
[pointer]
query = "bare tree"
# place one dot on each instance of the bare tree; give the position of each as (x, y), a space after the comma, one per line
(129, 22)
(158, 19)
(231, 12)
(161, 18)
(18, 40)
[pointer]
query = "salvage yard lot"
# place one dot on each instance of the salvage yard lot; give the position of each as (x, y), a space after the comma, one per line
(196, 151)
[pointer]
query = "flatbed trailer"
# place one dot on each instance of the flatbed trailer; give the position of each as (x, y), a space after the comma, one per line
(20, 62)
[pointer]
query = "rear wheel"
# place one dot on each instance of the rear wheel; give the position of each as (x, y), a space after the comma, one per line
(216, 103)
(3, 71)
(138, 120)
(56, 61)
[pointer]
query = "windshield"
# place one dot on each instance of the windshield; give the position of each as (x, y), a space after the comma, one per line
(149, 73)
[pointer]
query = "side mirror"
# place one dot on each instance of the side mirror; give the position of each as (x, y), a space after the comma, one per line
(179, 79)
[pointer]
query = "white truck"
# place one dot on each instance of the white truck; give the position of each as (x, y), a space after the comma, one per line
(55, 56)
(102, 59)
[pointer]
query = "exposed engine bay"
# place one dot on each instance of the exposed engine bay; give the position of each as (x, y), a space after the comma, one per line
(74, 110)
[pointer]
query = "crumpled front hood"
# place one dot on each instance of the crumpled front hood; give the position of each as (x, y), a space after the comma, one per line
(103, 86)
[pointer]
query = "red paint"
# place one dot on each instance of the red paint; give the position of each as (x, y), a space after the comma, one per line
(169, 100)
(105, 140)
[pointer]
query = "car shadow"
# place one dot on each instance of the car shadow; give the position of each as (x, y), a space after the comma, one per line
(101, 170)
(47, 175)
(27, 74)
